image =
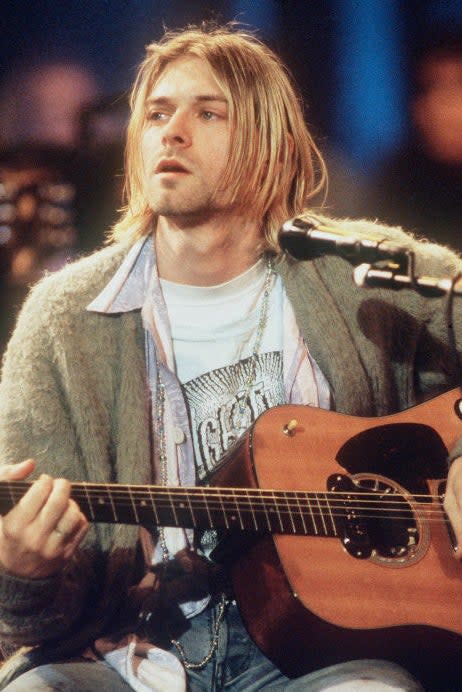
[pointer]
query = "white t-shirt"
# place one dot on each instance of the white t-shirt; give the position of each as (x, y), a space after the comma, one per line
(214, 330)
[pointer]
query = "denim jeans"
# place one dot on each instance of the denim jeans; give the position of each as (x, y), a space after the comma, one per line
(238, 666)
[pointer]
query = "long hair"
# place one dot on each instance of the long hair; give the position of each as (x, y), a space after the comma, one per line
(274, 166)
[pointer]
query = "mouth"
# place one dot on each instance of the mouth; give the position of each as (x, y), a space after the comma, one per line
(170, 166)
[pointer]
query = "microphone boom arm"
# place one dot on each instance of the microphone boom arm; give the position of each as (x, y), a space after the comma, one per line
(307, 238)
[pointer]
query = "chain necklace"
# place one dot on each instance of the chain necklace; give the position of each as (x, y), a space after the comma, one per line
(163, 458)
(162, 451)
(198, 665)
(262, 320)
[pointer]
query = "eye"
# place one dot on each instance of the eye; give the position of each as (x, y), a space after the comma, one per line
(208, 115)
(156, 115)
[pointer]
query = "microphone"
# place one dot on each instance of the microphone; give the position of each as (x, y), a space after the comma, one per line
(308, 238)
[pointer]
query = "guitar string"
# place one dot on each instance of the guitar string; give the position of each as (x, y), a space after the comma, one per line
(127, 492)
(397, 504)
(126, 489)
(277, 522)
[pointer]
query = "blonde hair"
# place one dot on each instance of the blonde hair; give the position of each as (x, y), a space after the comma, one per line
(274, 166)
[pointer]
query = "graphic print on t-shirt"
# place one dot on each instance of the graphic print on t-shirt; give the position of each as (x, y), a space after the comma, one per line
(216, 400)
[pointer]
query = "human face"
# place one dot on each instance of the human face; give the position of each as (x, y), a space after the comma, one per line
(185, 143)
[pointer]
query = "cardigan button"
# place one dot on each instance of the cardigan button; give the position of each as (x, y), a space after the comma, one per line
(178, 436)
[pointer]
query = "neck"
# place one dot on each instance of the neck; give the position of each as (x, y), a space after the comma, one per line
(209, 253)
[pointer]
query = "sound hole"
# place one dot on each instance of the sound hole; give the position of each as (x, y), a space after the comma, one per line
(396, 526)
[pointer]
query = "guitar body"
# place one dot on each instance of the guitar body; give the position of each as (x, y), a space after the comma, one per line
(342, 548)
(306, 600)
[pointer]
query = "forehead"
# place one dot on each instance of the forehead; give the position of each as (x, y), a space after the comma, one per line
(188, 76)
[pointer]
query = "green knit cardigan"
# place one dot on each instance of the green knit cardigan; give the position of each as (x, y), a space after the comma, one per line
(73, 395)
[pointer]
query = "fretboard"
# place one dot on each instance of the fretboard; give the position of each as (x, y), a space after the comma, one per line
(196, 507)
(252, 509)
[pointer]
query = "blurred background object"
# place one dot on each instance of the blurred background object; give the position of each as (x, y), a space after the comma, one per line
(37, 221)
(37, 213)
(61, 165)
(41, 102)
(387, 121)
(420, 185)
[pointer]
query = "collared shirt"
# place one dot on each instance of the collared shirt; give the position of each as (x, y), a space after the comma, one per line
(136, 286)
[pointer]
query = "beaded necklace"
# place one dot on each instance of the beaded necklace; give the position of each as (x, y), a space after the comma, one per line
(163, 459)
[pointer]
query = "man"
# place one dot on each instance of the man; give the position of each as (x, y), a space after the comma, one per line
(144, 362)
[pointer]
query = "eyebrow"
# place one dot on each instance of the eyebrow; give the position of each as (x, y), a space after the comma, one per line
(202, 98)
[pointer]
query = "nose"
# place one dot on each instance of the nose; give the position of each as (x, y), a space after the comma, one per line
(177, 131)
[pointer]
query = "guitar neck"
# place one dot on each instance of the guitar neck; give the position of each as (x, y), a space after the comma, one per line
(252, 509)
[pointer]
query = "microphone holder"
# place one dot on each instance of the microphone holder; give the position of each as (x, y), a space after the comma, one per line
(402, 274)
(386, 263)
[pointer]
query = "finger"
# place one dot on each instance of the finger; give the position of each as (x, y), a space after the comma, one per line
(453, 514)
(453, 503)
(73, 541)
(67, 535)
(31, 504)
(56, 505)
(70, 522)
(16, 472)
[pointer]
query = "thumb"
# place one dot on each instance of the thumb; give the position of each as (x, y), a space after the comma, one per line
(16, 472)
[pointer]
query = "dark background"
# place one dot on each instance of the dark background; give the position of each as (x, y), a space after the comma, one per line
(350, 57)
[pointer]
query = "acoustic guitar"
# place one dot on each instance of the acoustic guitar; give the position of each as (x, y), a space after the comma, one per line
(344, 550)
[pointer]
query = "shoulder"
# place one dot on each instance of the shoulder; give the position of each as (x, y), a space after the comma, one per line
(78, 282)
(55, 310)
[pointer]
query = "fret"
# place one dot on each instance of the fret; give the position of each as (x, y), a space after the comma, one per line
(313, 518)
(289, 510)
(116, 518)
(172, 505)
(133, 503)
(224, 507)
(164, 508)
(331, 516)
(103, 505)
(277, 512)
(225, 516)
(182, 510)
(89, 502)
(254, 518)
(267, 517)
(301, 512)
(236, 503)
(204, 498)
(154, 508)
(296, 514)
(191, 511)
(321, 514)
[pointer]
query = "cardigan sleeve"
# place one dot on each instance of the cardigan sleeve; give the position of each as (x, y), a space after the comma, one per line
(73, 396)
(35, 610)
(34, 423)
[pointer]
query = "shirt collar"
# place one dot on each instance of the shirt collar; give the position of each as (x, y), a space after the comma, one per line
(126, 290)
